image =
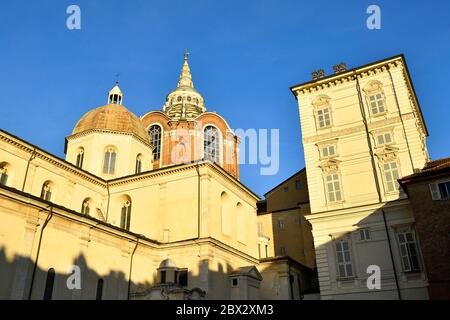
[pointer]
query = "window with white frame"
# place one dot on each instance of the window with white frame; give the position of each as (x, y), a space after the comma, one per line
(408, 251)
(280, 224)
(376, 102)
(109, 162)
(384, 138)
(440, 190)
(138, 165)
(46, 191)
(344, 262)
(333, 186)
(80, 158)
(260, 229)
(155, 133)
(85, 207)
(125, 215)
(283, 251)
(211, 144)
(3, 174)
(391, 175)
(364, 234)
(323, 118)
(328, 150)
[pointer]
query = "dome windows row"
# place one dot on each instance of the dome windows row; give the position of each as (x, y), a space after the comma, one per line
(211, 142)
(109, 160)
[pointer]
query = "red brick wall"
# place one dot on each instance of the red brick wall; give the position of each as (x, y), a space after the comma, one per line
(185, 128)
(433, 229)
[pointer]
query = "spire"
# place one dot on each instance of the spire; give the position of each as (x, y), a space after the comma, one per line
(115, 95)
(185, 76)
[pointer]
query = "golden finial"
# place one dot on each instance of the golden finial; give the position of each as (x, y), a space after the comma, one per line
(186, 54)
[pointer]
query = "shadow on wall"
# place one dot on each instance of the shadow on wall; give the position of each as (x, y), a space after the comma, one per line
(383, 246)
(21, 279)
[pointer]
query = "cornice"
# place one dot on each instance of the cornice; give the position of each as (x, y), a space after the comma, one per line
(87, 132)
(54, 160)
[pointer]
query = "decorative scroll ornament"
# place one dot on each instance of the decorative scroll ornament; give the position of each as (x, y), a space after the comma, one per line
(387, 154)
(330, 166)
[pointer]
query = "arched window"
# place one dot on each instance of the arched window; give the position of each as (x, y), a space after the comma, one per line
(80, 158)
(109, 162)
(211, 145)
(138, 168)
(99, 294)
(125, 216)
(46, 192)
(86, 206)
(48, 292)
(155, 133)
(3, 173)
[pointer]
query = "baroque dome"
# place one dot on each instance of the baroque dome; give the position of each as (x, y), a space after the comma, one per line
(112, 117)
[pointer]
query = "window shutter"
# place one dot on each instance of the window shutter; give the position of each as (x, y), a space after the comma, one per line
(435, 194)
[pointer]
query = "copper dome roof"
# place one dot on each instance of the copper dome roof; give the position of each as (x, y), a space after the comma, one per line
(112, 117)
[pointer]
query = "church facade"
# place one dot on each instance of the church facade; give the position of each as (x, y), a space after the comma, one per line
(141, 208)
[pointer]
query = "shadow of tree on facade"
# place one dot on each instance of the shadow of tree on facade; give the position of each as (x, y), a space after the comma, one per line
(22, 279)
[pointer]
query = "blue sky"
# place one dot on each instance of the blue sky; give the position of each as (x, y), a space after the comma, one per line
(244, 57)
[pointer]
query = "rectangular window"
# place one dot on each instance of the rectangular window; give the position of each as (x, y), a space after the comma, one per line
(235, 282)
(344, 262)
(283, 251)
(280, 224)
(298, 184)
(391, 176)
(377, 103)
(183, 278)
(3, 178)
(408, 251)
(260, 228)
(163, 276)
(384, 138)
(323, 118)
(80, 158)
(328, 151)
(440, 191)
(333, 186)
(364, 234)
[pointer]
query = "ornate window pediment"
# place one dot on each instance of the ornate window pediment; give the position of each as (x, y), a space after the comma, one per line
(386, 153)
(321, 101)
(330, 165)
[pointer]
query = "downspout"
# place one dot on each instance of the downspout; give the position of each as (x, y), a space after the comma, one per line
(131, 268)
(363, 114)
(198, 201)
(47, 220)
(33, 155)
(401, 119)
(107, 204)
(392, 256)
